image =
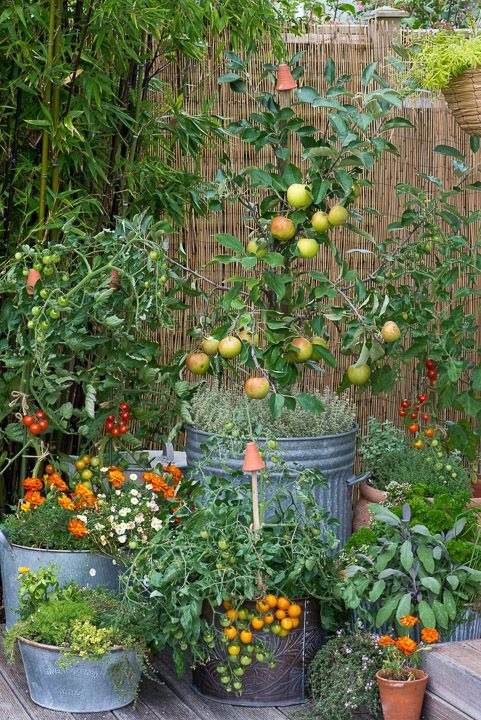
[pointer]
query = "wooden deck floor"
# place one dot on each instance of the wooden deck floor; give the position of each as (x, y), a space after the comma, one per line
(165, 699)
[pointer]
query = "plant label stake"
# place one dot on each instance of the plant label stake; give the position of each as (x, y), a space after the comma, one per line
(252, 464)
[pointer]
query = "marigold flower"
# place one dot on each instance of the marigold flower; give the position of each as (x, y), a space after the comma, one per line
(83, 497)
(430, 635)
(32, 483)
(25, 506)
(175, 473)
(386, 641)
(408, 620)
(66, 502)
(57, 481)
(34, 498)
(23, 570)
(406, 645)
(116, 477)
(77, 528)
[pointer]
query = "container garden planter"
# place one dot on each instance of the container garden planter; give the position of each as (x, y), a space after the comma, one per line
(402, 699)
(463, 96)
(80, 685)
(82, 567)
(264, 686)
(332, 455)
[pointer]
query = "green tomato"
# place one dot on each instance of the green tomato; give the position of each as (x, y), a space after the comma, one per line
(435, 443)
(222, 544)
(225, 679)
(154, 255)
(62, 301)
(239, 671)
(43, 294)
(44, 325)
(30, 324)
(54, 314)
(48, 270)
(95, 462)
(204, 534)
(272, 445)
(18, 256)
(25, 272)
(37, 266)
(163, 279)
(260, 657)
(237, 685)
(249, 649)
(449, 468)
(245, 660)
(36, 310)
(47, 259)
(221, 669)
(55, 258)
(65, 277)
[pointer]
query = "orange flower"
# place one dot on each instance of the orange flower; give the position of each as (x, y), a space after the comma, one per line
(83, 497)
(116, 477)
(159, 485)
(385, 641)
(34, 498)
(408, 620)
(32, 483)
(430, 635)
(406, 645)
(66, 502)
(57, 481)
(77, 528)
(175, 473)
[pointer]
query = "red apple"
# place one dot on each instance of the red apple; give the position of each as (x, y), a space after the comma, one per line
(256, 387)
(198, 363)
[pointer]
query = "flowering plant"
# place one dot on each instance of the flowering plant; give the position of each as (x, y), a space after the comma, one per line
(403, 654)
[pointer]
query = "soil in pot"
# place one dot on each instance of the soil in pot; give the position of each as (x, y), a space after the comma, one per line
(80, 685)
(284, 684)
(402, 699)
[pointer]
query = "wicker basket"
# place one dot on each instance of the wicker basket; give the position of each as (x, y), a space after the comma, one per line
(463, 96)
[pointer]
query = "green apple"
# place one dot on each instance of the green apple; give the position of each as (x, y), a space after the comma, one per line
(302, 351)
(198, 363)
(390, 331)
(230, 347)
(358, 374)
(337, 215)
(256, 387)
(282, 228)
(307, 247)
(320, 222)
(248, 337)
(299, 196)
(318, 340)
(254, 248)
(209, 345)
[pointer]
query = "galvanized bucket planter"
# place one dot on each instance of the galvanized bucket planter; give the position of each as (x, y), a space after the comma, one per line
(79, 685)
(332, 455)
(84, 568)
(468, 629)
(264, 687)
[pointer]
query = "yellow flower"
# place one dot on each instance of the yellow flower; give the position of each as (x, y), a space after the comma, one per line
(23, 570)
(25, 506)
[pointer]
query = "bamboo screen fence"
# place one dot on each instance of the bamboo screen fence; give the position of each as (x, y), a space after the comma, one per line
(352, 47)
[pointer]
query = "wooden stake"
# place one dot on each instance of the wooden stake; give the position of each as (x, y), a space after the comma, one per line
(255, 503)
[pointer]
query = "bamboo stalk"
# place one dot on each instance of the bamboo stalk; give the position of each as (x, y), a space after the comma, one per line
(56, 109)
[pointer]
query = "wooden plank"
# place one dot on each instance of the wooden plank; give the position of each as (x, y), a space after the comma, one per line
(160, 702)
(10, 706)
(15, 678)
(455, 676)
(435, 708)
(209, 710)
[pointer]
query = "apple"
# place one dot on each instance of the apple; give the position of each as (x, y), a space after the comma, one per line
(282, 228)
(209, 345)
(358, 374)
(248, 337)
(390, 331)
(320, 222)
(256, 387)
(337, 215)
(299, 196)
(307, 247)
(302, 352)
(318, 340)
(254, 248)
(198, 363)
(229, 347)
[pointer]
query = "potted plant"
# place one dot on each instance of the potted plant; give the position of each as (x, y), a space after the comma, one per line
(341, 678)
(242, 591)
(401, 681)
(450, 61)
(406, 569)
(85, 526)
(74, 639)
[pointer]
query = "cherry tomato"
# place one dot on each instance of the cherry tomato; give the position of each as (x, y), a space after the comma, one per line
(40, 413)
(430, 364)
(430, 432)
(35, 428)
(110, 418)
(425, 417)
(422, 398)
(419, 444)
(413, 415)
(124, 416)
(123, 429)
(43, 424)
(404, 404)
(115, 432)
(123, 406)
(402, 413)
(28, 420)
(413, 428)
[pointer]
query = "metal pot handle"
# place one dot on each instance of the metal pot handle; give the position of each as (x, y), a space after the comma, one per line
(168, 452)
(358, 479)
(4, 544)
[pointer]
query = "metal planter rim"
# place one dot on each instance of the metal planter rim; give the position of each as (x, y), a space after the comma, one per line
(58, 649)
(354, 429)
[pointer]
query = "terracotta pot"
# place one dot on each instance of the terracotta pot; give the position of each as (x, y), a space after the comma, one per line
(402, 699)
(285, 80)
(32, 279)
(367, 494)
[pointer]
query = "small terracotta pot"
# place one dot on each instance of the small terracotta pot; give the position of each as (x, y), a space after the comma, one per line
(32, 279)
(367, 494)
(477, 488)
(114, 280)
(285, 80)
(402, 699)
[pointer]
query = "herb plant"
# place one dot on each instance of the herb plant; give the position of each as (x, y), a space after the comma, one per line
(443, 56)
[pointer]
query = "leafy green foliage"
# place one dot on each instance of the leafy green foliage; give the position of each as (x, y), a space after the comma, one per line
(409, 570)
(341, 678)
(226, 412)
(443, 56)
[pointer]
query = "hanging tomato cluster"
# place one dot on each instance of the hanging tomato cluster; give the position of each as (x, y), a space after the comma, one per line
(119, 425)
(417, 418)
(36, 423)
(431, 370)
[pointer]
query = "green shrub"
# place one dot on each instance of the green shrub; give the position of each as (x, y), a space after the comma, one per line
(227, 412)
(442, 57)
(341, 678)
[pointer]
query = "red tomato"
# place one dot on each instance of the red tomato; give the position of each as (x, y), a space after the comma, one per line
(414, 415)
(413, 428)
(426, 417)
(124, 416)
(110, 418)
(422, 398)
(123, 429)
(404, 404)
(28, 420)
(430, 364)
(402, 413)
(43, 424)
(123, 406)
(40, 413)
(35, 428)
(115, 432)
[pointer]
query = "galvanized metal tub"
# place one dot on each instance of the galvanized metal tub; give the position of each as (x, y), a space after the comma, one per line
(468, 628)
(264, 687)
(84, 568)
(332, 455)
(78, 685)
